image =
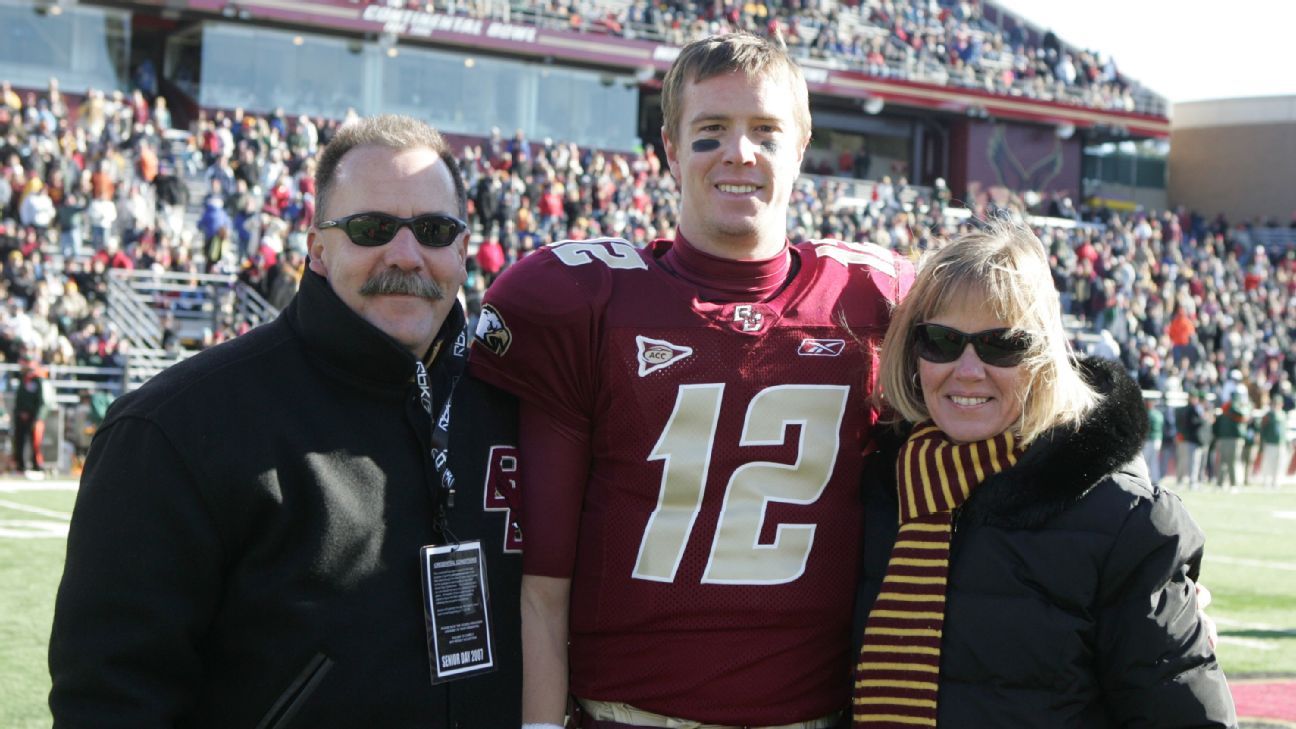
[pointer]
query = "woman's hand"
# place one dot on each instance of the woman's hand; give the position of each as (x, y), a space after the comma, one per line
(1204, 601)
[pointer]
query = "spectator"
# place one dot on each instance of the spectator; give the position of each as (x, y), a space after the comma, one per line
(31, 402)
(37, 209)
(1230, 431)
(161, 114)
(490, 260)
(1152, 442)
(102, 216)
(1273, 441)
(1195, 425)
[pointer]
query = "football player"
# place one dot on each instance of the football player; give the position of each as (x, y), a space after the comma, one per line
(692, 419)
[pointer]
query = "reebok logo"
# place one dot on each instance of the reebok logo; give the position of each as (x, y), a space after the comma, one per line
(655, 354)
(821, 347)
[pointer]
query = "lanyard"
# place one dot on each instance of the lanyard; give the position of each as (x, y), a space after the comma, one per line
(441, 426)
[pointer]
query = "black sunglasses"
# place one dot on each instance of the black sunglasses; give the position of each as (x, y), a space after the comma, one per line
(995, 347)
(433, 230)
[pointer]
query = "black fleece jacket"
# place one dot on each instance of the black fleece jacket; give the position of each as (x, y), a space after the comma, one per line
(1071, 598)
(244, 547)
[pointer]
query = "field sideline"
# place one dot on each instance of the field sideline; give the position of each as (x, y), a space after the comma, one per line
(1250, 568)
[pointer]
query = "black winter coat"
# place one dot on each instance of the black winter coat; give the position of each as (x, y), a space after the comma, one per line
(244, 547)
(1071, 596)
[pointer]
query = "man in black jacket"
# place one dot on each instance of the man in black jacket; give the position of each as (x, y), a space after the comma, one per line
(30, 406)
(1195, 427)
(248, 544)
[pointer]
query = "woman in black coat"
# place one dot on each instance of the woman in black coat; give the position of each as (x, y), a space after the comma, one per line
(1036, 577)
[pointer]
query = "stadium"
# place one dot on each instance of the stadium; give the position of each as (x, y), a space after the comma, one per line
(157, 160)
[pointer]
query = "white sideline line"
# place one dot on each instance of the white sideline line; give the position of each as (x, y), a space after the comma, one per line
(32, 529)
(1261, 644)
(35, 510)
(1244, 562)
(13, 487)
(1254, 643)
(1228, 623)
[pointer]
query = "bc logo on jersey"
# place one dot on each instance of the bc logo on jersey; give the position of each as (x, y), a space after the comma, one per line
(492, 332)
(750, 319)
(821, 347)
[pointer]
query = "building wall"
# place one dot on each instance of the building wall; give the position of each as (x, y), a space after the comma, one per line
(1235, 156)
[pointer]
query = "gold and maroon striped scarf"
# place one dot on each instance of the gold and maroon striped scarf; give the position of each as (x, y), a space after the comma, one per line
(899, 667)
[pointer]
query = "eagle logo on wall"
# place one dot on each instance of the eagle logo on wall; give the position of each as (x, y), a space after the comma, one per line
(1014, 174)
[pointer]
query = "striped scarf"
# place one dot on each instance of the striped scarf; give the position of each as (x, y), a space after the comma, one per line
(899, 667)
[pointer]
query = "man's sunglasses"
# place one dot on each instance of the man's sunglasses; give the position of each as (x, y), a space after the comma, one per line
(995, 347)
(375, 229)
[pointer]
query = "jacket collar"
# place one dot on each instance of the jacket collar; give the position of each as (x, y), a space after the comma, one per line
(345, 341)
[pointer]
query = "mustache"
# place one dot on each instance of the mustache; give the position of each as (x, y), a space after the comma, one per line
(394, 282)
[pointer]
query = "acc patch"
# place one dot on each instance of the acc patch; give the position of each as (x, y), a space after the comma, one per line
(492, 333)
(655, 354)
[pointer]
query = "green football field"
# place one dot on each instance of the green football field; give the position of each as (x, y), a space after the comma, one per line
(1250, 568)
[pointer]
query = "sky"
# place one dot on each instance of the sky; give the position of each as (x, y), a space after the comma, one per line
(1185, 50)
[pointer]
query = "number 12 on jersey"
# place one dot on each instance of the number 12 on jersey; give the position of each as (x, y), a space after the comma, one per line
(685, 447)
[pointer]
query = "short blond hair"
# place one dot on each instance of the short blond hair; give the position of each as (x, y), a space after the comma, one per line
(715, 56)
(1002, 267)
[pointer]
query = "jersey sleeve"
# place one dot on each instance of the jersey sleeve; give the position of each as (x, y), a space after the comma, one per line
(556, 459)
(537, 335)
(538, 338)
(890, 273)
(869, 266)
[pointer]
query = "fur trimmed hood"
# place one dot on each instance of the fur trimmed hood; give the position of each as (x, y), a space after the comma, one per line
(1064, 463)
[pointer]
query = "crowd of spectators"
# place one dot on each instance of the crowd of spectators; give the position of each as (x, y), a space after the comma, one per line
(104, 186)
(1179, 299)
(948, 42)
(1190, 310)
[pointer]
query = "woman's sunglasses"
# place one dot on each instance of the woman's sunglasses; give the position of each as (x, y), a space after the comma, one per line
(375, 229)
(995, 347)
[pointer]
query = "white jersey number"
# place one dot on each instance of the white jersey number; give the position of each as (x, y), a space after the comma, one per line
(613, 253)
(737, 556)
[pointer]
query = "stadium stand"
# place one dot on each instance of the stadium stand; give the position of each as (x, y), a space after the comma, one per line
(968, 43)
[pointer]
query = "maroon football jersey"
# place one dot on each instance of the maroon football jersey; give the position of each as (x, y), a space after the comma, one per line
(714, 571)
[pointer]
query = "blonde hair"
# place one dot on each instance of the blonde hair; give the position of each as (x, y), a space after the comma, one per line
(1003, 268)
(715, 56)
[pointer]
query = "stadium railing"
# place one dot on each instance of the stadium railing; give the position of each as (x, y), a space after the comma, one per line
(197, 303)
(136, 321)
